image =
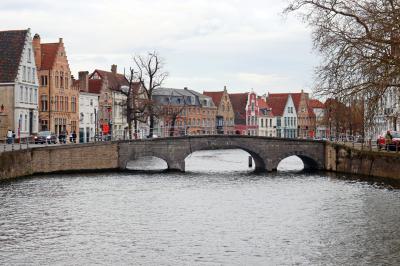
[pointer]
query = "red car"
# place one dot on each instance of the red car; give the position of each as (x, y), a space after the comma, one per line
(381, 141)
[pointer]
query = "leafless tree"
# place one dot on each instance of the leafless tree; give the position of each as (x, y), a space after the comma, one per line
(148, 71)
(172, 112)
(134, 105)
(359, 41)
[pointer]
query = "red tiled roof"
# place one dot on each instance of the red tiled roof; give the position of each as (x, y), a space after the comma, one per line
(261, 103)
(215, 95)
(11, 46)
(277, 104)
(95, 85)
(115, 81)
(314, 103)
(239, 101)
(296, 97)
(49, 54)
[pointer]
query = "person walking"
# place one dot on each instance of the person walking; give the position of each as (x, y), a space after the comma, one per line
(9, 136)
(388, 140)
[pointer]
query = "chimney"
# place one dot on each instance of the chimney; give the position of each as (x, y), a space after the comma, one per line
(185, 88)
(37, 51)
(224, 88)
(114, 69)
(60, 40)
(84, 81)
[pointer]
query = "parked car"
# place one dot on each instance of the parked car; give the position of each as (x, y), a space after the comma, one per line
(381, 141)
(45, 137)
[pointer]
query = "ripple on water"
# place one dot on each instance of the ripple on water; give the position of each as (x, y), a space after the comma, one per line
(200, 217)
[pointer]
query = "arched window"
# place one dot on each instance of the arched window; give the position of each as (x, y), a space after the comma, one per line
(56, 80)
(62, 80)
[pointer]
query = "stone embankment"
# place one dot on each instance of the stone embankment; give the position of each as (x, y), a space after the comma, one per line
(90, 157)
(344, 159)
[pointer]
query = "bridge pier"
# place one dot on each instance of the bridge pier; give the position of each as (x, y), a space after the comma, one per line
(176, 166)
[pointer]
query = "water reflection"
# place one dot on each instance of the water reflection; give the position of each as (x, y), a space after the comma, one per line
(204, 216)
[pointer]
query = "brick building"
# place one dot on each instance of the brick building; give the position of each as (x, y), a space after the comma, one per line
(225, 120)
(58, 99)
(245, 107)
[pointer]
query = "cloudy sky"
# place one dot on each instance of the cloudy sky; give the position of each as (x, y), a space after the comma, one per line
(206, 44)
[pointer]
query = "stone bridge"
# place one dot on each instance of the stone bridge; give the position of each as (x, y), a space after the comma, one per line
(266, 152)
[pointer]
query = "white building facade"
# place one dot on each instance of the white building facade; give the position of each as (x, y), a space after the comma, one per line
(119, 119)
(289, 119)
(26, 108)
(88, 110)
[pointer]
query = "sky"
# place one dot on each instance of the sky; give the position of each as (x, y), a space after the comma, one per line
(205, 44)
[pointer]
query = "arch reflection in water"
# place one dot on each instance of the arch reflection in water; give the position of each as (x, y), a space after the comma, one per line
(232, 160)
(148, 163)
(291, 164)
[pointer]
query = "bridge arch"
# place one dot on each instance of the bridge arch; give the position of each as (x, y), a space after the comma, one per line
(266, 152)
(259, 161)
(309, 161)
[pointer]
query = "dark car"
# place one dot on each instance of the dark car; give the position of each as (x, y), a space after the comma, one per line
(381, 141)
(45, 137)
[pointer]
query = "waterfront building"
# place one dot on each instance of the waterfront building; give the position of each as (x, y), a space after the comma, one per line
(18, 84)
(88, 106)
(112, 120)
(284, 111)
(245, 107)
(184, 112)
(387, 116)
(305, 114)
(225, 119)
(266, 119)
(59, 100)
(321, 129)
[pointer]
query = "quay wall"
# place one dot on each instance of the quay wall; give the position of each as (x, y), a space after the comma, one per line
(344, 159)
(69, 158)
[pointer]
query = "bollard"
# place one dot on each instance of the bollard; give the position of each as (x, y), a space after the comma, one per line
(250, 162)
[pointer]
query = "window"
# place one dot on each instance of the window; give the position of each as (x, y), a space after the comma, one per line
(26, 123)
(91, 118)
(26, 95)
(35, 99)
(262, 122)
(29, 74)
(56, 80)
(73, 104)
(66, 103)
(43, 80)
(21, 94)
(252, 106)
(66, 81)
(91, 102)
(278, 122)
(29, 55)
(43, 101)
(30, 95)
(33, 75)
(24, 74)
(61, 80)
(61, 103)
(57, 106)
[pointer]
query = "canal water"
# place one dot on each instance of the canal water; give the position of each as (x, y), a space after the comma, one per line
(218, 213)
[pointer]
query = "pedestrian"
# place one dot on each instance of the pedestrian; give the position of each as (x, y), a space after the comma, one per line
(388, 139)
(9, 136)
(74, 136)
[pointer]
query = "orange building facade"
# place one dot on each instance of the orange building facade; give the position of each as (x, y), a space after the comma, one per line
(58, 99)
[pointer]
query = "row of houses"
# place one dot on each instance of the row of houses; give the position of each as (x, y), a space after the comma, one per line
(39, 93)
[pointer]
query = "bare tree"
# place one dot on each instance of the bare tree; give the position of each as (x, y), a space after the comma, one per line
(148, 71)
(135, 103)
(359, 41)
